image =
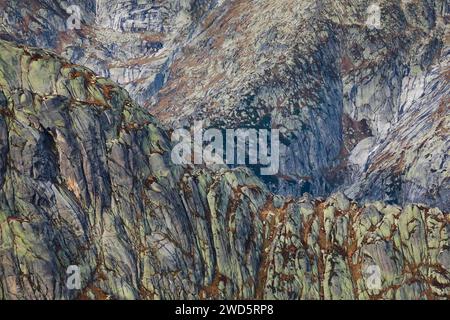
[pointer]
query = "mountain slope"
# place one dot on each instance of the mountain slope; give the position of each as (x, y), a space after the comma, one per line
(340, 90)
(86, 179)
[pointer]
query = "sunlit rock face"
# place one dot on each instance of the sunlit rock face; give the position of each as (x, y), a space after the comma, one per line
(86, 180)
(131, 42)
(359, 92)
(327, 74)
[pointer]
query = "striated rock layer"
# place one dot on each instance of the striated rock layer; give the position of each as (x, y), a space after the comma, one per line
(362, 108)
(86, 179)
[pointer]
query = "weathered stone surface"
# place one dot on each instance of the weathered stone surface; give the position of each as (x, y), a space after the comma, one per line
(86, 179)
(362, 110)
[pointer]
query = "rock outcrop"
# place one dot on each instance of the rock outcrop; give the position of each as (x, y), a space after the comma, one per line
(86, 179)
(341, 86)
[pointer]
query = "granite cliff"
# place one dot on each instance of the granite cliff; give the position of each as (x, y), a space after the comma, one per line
(86, 176)
(86, 179)
(341, 91)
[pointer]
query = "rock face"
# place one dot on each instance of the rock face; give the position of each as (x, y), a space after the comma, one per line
(86, 179)
(411, 163)
(358, 89)
(129, 41)
(316, 71)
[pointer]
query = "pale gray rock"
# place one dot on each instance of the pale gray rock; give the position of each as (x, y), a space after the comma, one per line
(316, 70)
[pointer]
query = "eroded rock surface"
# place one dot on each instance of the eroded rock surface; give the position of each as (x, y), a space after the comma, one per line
(315, 69)
(86, 179)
